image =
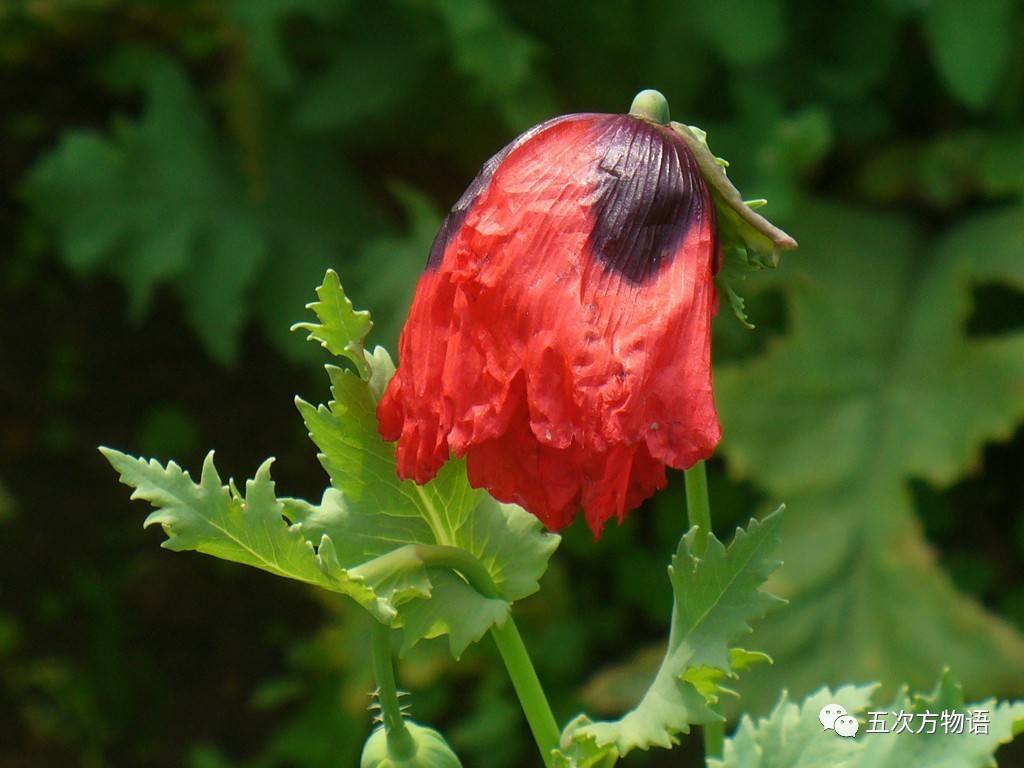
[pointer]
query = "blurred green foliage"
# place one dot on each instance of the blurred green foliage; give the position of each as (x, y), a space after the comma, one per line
(193, 167)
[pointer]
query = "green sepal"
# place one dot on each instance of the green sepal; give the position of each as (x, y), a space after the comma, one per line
(749, 241)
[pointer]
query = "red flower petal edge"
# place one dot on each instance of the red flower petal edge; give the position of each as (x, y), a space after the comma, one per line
(560, 336)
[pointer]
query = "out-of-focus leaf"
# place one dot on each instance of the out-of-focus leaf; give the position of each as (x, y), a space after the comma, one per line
(974, 746)
(156, 203)
(971, 43)
(743, 32)
(792, 735)
(367, 76)
(161, 201)
(949, 170)
(480, 34)
(876, 383)
(390, 264)
(7, 505)
(263, 25)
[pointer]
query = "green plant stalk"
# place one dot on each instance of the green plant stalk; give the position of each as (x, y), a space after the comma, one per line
(400, 741)
(698, 506)
(698, 511)
(510, 645)
(528, 689)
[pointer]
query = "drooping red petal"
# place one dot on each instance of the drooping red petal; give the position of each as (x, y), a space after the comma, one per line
(560, 336)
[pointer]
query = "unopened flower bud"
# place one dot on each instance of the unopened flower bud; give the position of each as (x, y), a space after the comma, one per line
(416, 747)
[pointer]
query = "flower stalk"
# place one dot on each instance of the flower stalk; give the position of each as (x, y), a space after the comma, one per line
(698, 511)
(528, 688)
(510, 645)
(400, 741)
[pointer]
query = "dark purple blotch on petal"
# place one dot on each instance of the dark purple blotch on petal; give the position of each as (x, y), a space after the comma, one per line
(648, 196)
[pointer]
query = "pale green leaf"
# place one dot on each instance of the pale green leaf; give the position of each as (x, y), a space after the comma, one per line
(216, 519)
(576, 750)
(341, 330)
(373, 534)
(793, 737)
(875, 383)
(368, 511)
(940, 749)
(450, 597)
(374, 519)
(715, 599)
(710, 680)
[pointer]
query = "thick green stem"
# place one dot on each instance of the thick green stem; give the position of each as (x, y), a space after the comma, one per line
(528, 689)
(510, 645)
(698, 509)
(400, 741)
(698, 506)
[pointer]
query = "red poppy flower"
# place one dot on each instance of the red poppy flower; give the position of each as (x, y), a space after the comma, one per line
(560, 335)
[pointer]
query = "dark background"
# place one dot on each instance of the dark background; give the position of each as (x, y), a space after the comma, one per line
(175, 177)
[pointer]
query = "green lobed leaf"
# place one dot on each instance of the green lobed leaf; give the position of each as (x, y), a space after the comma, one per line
(716, 597)
(369, 512)
(156, 202)
(164, 200)
(341, 330)
(216, 519)
(709, 680)
(393, 545)
(792, 735)
(876, 383)
(940, 749)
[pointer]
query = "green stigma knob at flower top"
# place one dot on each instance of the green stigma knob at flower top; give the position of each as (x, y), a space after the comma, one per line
(652, 105)
(427, 749)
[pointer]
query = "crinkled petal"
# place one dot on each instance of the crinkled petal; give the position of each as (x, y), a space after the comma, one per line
(560, 336)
